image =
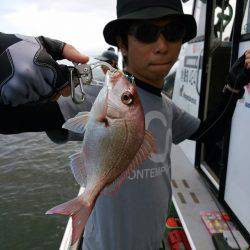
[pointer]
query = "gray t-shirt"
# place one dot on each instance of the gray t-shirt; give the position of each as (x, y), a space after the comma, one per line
(133, 218)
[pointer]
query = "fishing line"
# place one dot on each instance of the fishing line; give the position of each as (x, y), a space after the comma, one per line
(217, 120)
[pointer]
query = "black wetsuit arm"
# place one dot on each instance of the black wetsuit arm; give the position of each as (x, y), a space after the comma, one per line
(30, 118)
(214, 127)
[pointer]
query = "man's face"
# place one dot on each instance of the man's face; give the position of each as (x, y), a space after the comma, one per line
(151, 62)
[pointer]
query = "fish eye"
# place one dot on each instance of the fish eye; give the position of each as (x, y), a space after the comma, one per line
(127, 98)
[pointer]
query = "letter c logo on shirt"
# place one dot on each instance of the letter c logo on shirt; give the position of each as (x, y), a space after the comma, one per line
(149, 117)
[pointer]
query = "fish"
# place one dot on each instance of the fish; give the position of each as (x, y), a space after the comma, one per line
(115, 143)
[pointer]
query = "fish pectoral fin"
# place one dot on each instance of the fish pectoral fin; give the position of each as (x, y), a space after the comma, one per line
(149, 144)
(148, 147)
(78, 168)
(77, 123)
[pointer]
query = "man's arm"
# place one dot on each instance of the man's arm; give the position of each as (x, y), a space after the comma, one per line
(214, 127)
(30, 118)
(46, 117)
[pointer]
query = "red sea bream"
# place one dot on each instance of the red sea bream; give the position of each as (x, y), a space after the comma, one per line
(115, 143)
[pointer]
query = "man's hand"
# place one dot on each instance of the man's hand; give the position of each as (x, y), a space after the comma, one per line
(29, 69)
(59, 50)
(239, 74)
(70, 53)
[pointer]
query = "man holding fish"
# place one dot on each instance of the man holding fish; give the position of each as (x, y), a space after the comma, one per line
(130, 120)
(150, 35)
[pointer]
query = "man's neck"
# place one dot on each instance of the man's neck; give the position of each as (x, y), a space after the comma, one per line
(146, 86)
(156, 83)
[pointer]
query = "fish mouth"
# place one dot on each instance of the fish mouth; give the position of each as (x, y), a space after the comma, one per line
(111, 78)
(113, 117)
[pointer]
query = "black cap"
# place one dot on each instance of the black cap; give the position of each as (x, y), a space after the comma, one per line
(108, 55)
(146, 10)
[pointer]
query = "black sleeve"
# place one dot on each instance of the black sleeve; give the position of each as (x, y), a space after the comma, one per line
(214, 127)
(53, 47)
(31, 118)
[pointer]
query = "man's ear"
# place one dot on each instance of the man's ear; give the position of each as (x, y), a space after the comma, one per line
(121, 46)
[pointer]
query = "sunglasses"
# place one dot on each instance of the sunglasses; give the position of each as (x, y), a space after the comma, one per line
(148, 33)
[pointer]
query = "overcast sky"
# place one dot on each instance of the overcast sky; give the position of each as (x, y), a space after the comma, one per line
(79, 22)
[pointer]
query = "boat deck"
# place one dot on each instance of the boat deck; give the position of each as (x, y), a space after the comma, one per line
(190, 197)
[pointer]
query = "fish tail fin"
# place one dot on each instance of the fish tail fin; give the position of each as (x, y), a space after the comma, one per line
(79, 221)
(79, 210)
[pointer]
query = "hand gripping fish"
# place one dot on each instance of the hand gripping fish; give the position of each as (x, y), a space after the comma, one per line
(115, 143)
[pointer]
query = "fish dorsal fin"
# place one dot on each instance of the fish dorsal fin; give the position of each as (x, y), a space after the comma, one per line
(77, 123)
(78, 168)
(147, 148)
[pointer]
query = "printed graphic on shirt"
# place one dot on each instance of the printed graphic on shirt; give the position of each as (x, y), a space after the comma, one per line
(150, 117)
(147, 173)
(162, 151)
